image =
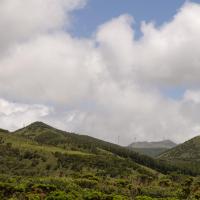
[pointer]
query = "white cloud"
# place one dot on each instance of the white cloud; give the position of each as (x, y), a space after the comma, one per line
(170, 54)
(116, 43)
(106, 86)
(22, 19)
(165, 55)
(192, 95)
(51, 68)
(136, 113)
(16, 115)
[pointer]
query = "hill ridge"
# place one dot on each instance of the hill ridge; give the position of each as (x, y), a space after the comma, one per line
(189, 150)
(39, 159)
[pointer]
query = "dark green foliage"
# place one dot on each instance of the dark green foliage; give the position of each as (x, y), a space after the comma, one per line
(106, 164)
(51, 138)
(86, 183)
(58, 195)
(153, 152)
(1, 140)
(186, 155)
(39, 162)
(44, 134)
(4, 131)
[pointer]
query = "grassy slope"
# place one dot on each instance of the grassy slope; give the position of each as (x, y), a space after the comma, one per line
(19, 146)
(186, 154)
(39, 160)
(44, 134)
(27, 159)
(188, 151)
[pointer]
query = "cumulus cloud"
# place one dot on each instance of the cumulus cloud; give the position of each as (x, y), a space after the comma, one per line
(165, 55)
(192, 95)
(170, 53)
(51, 68)
(22, 19)
(107, 86)
(15, 115)
(116, 43)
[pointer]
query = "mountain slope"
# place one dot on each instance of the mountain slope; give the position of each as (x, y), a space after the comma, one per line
(186, 154)
(31, 150)
(38, 136)
(21, 154)
(41, 162)
(188, 151)
(45, 134)
(152, 152)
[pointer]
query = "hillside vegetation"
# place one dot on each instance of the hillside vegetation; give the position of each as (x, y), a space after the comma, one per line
(186, 154)
(152, 152)
(41, 162)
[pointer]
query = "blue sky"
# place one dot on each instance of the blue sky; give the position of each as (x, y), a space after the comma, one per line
(97, 12)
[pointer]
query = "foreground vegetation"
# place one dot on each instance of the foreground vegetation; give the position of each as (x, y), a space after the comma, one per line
(39, 162)
(88, 186)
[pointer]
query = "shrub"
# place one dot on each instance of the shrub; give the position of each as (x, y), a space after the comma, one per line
(44, 187)
(48, 167)
(33, 197)
(86, 183)
(156, 192)
(144, 198)
(119, 197)
(34, 163)
(57, 195)
(164, 183)
(92, 195)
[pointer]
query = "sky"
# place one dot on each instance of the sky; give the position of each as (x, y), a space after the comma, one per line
(97, 12)
(109, 69)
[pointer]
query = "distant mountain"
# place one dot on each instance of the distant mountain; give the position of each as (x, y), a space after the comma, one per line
(152, 149)
(167, 144)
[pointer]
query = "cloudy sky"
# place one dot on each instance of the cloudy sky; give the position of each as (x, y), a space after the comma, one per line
(103, 68)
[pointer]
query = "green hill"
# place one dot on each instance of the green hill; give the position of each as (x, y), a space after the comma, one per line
(186, 154)
(188, 151)
(41, 162)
